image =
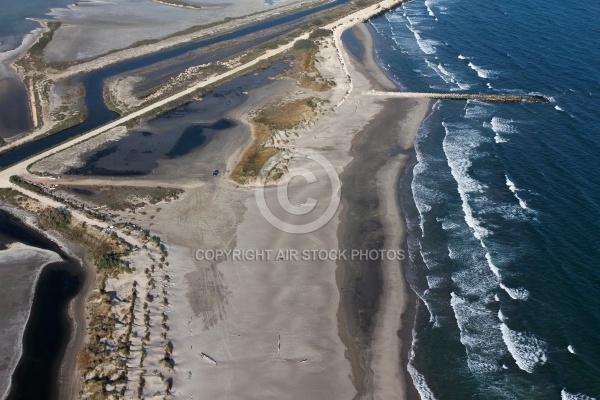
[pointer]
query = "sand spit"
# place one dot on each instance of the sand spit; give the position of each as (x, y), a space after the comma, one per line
(9, 56)
(20, 266)
(269, 327)
(381, 152)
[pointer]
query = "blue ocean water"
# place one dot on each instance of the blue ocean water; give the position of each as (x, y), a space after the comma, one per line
(504, 201)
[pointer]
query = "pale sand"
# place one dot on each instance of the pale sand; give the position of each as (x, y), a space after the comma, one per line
(388, 369)
(236, 311)
(211, 304)
(383, 358)
(9, 56)
(20, 268)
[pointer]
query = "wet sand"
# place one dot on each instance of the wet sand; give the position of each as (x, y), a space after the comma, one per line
(272, 326)
(377, 307)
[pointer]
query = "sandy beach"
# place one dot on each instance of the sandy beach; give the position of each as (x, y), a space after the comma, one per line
(312, 326)
(383, 149)
(272, 326)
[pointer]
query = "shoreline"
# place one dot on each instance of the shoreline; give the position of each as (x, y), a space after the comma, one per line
(372, 361)
(407, 323)
(19, 348)
(68, 252)
(348, 107)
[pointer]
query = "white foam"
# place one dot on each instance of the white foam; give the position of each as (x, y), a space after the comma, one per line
(528, 350)
(501, 316)
(421, 193)
(499, 139)
(391, 17)
(571, 349)
(433, 318)
(515, 293)
(493, 268)
(564, 395)
(461, 57)
(502, 125)
(514, 190)
(427, 46)
(475, 109)
(558, 108)
(429, 10)
(448, 224)
(435, 281)
(484, 345)
(476, 281)
(420, 384)
(482, 73)
(459, 163)
(452, 77)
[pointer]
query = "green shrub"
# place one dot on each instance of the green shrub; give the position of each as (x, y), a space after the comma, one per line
(55, 218)
(305, 44)
(319, 33)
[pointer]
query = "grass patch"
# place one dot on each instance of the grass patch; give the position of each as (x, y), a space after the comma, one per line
(11, 196)
(103, 250)
(287, 115)
(57, 219)
(68, 121)
(306, 73)
(122, 198)
(33, 60)
(305, 44)
(26, 185)
(269, 120)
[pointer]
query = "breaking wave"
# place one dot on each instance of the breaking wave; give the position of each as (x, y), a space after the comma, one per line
(515, 293)
(514, 190)
(527, 350)
(482, 73)
(564, 395)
